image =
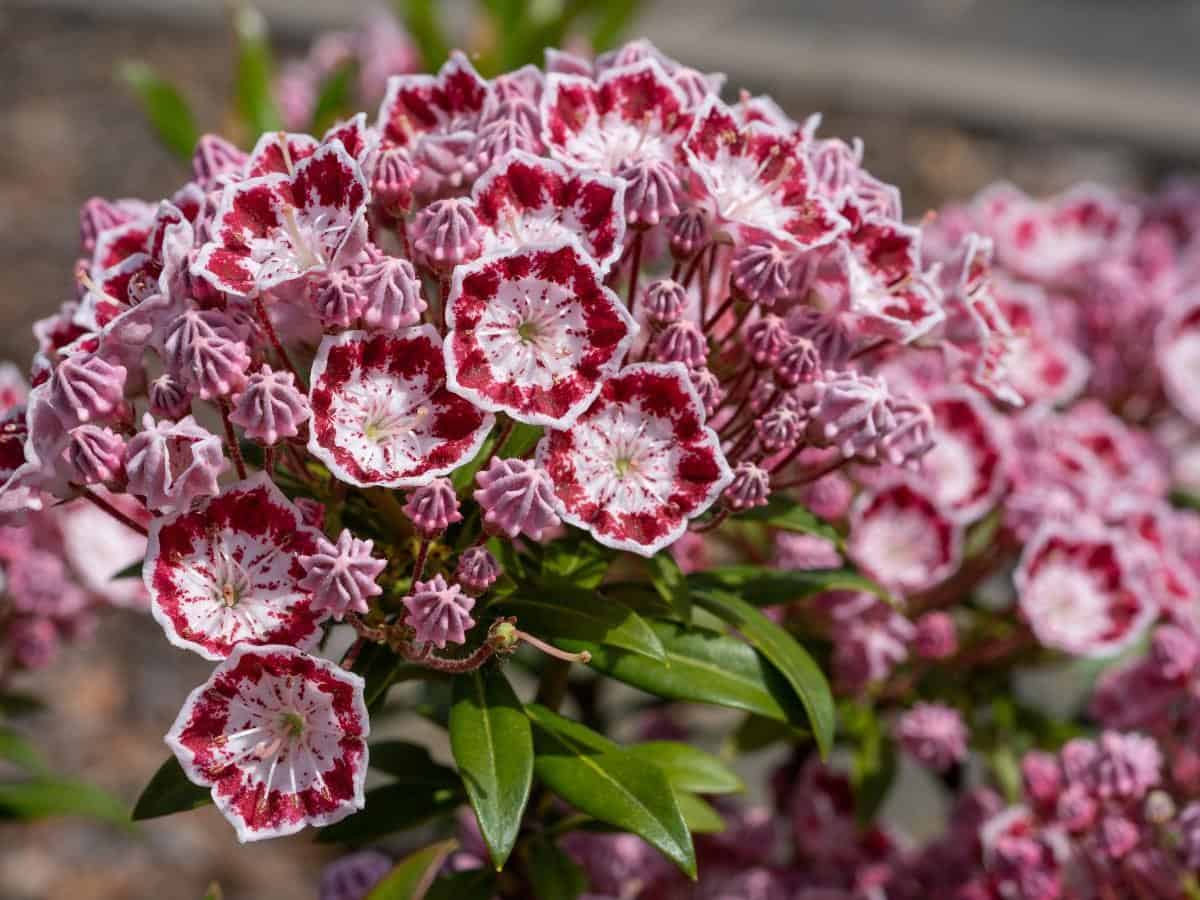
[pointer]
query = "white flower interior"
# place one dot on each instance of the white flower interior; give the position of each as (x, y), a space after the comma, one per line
(533, 333)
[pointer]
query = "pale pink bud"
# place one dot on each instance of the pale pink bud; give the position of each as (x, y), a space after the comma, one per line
(337, 299)
(392, 184)
(95, 454)
(168, 398)
(934, 735)
(86, 387)
(664, 300)
(798, 362)
(517, 497)
(852, 413)
(751, 486)
(779, 429)
(766, 338)
(438, 612)
(708, 387)
(477, 569)
(689, 232)
(391, 293)
(760, 273)
(342, 576)
(447, 232)
(432, 507)
(683, 342)
(169, 464)
(213, 158)
(206, 353)
(270, 408)
(502, 136)
(651, 192)
(937, 636)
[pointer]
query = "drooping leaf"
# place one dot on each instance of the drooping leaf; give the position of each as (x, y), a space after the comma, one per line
(699, 815)
(45, 797)
(785, 653)
(410, 763)
(689, 768)
(412, 877)
(493, 748)
(391, 808)
(555, 875)
(758, 732)
(169, 791)
(255, 70)
(585, 616)
(17, 750)
(165, 107)
(475, 884)
(333, 101)
(781, 511)
(669, 581)
(599, 778)
(702, 667)
(760, 586)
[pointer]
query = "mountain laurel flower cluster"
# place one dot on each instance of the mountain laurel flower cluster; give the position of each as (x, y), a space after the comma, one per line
(600, 363)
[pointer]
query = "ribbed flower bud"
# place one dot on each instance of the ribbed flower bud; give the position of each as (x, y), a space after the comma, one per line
(86, 387)
(477, 569)
(204, 350)
(683, 342)
(447, 232)
(342, 576)
(439, 612)
(337, 299)
(779, 428)
(392, 184)
(689, 231)
(168, 398)
(651, 192)
(432, 507)
(766, 338)
(169, 464)
(270, 408)
(750, 487)
(798, 362)
(391, 293)
(664, 300)
(517, 498)
(760, 273)
(95, 454)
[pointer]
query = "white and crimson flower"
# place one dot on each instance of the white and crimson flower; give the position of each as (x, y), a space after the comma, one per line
(1079, 591)
(1178, 352)
(534, 333)
(639, 463)
(525, 199)
(965, 468)
(900, 536)
(382, 413)
(280, 737)
(1044, 367)
(445, 105)
(276, 228)
(631, 115)
(759, 178)
(228, 572)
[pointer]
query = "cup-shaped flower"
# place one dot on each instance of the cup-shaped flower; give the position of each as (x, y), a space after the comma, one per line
(903, 539)
(534, 333)
(280, 737)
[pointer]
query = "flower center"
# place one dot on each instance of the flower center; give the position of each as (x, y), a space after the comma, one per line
(292, 723)
(529, 331)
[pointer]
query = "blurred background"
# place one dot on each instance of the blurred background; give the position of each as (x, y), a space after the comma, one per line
(948, 95)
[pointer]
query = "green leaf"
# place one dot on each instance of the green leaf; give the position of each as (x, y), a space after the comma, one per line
(699, 815)
(422, 21)
(133, 570)
(521, 439)
(255, 102)
(785, 653)
(334, 99)
(688, 768)
(702, 667)
(493, 748)
(555, 875)
(169, 791)
(599, 778)
(391, 808)
(615, 16)
(18, 751)
(166, 110)
(412, 877)
(873, 763)
(757, 733)
(411, 763)
(769, 587)
(476, 884)
(670, 583)
(781, 511)
(583, 616)
(575, 561)
(42, 798)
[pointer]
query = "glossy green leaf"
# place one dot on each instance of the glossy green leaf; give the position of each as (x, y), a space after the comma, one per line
(169, 791)
(785, 653)
(702, 667)
(410, 763)
(699, 815)
(584, 616)
(412, 877)
(671, 584)
(391, 808)
(760, 586)
(689, 768)
(555, 875)
(42, 798)
(521, 440)
(757, 733)
(781, 511)
(165, 107)
(255, 100)
(14, 748)
(476, 884)
(493, 748)
(334, 99)
(576, 561)
(599, 778)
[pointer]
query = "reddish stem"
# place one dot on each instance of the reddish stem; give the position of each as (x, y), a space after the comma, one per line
(273, 338)
(103, 504)
(635, 266)
(231, 438)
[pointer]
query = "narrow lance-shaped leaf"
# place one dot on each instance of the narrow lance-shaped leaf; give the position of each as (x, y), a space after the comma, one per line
(585, 616)
(689, 768)
(256, 102)
(670, 583)
(601, 779)
(493, 748)
(782, 512)
(42, 798)
(411, 878)
(699, 815)
(555, 875)
(771, 587)
(791, 659)
(166, 110)
(169, 791)
(18, 751)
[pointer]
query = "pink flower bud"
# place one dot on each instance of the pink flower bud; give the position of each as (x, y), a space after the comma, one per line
(86, 387)
(934, 735)
(270, 408)
(502, 136)
(337, 299)
(391, 293)
(937, 636)
(168, 398)
(447, 232)
(779, 429)
(709, 389)
(213, 158)
(204, 350)
(766, 338)
(751, 486)
(392, 185)
(477, 569)
(353, 877)
(760, 273)
(342, 576)
(798, 362)
(432, 507)
(912, 435)
(439, 612)
(32, 642)
(683, 342)
(652, 192)
(689, 231)
(852, 413)
(517, 498)
(169, 464)
(664, 300)
(95, 454)
(1041, 775)
(1175, 653)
